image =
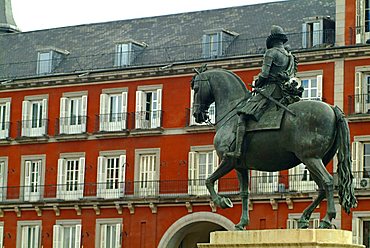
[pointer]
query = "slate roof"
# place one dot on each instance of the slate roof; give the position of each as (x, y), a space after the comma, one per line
(170, 38)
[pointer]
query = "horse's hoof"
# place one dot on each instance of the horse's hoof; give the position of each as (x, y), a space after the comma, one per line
(225, 202)
(239, 227)
(325, 224)
(303, 224)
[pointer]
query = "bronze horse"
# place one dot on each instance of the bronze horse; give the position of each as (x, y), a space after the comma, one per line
(312, 136)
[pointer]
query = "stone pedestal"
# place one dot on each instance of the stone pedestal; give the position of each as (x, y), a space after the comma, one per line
(282, 238)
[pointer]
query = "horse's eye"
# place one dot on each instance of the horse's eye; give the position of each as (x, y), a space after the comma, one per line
(196, 89)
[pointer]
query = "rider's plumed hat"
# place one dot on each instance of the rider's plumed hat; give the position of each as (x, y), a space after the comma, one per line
(277, 33)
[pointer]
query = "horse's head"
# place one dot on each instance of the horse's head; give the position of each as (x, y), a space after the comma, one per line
(203, 96)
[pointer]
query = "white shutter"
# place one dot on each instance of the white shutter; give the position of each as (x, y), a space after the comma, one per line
(304, 35)
(81, 176)
(27, 179)
(78, 236)
(290, 223)
(215, 160)
(2, 186)
(103, 112)
(206, 46)
(122, 173)
(319, 87)
(7, 114)
(57, 236)
(25, 126)
(44, 121)
(63, 114)
(191, 172)
(316, 223)
(356, 230)
(191, 117)
(124, 109)
(118, 236)
(139, 109)
(356, 157)
(102, 169)
(103, 236)
(1, 236)
(159, 108)
(25, 237)
(360, 21)
(359, 99)
(37, 236)
(84, 113)
(61, 178)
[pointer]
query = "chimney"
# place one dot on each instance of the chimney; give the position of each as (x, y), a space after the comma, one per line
(7, 23)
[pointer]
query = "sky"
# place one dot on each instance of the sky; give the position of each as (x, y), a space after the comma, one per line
(32, 15)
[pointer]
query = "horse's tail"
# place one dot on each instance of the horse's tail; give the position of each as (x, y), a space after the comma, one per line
(345, 178)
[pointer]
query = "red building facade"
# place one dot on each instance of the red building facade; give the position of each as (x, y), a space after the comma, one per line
(111, 157)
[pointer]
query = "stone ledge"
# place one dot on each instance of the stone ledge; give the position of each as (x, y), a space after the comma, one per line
(300, 238)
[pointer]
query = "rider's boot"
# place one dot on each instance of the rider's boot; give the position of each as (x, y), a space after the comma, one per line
(239, 141)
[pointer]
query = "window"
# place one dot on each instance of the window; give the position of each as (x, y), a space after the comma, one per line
(361, 228)
(73, 113)
(203, 161)
(147, 172)
(33, 168)
(300, 179)
(67, 234)
(34, 116)
(211, 112)
(108, 233)
(317, 31)
(215, 42)
(71, 170)
(264, 182)
(4, 117)
(2, 234)
(126, 53)
(111, 174)
(362, 92)
(113, 110)
(362, 21)
(44, 62)
(3, 177)
(28, 234)
(292, 221)
(361, 163)
(312, 88)
(148, 107)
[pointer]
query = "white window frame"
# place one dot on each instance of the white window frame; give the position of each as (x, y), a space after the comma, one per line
(28, 127)
(126, 52)
(312, 33)
(23, 228)
(63, 192)
(108, 121)
(357, 225)
(101, 232)
(66, 117)
(293, 218)
(3, 177)
(147, 165)
(44, 65)
(310, 76)
(264, 182)
(59, 229)
(196, 186)
(106, 188)
(211, 112)
(27, 174)
(5, 111)
(297, 181)
(152, 117)
(362, 35)
(362, 90)
(1, 234)
(358, 155)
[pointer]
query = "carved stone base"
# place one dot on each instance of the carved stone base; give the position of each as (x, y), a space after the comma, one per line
(282, 238)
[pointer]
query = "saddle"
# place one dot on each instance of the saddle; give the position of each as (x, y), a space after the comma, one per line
(270, 120)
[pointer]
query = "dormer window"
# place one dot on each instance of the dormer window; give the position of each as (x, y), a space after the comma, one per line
(216, 42)
(362, 21)
(48, 60)
(318, 31)
(127, 52)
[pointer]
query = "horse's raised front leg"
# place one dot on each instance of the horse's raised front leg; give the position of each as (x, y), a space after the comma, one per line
(223, 168)
(244, 193)
(322, 177)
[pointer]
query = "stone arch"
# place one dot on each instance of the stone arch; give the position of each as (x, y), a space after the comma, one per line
(176, 232)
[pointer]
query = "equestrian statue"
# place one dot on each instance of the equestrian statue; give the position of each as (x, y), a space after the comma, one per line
(270, 129)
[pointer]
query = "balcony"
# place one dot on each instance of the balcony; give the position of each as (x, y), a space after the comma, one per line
(4, 130)
(32, 128)
(71, 125)
(148, 119)
(112, 122)
(359, 104)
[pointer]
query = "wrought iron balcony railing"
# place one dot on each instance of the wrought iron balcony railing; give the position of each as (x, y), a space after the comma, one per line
(112, 122)
(71, 125)
(148, 119)
(32, 128)
(4, 130)
(359, 104)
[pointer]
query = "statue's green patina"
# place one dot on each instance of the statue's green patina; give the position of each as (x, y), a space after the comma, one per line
(311, 133)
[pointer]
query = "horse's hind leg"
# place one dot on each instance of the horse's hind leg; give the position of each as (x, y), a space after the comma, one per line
(325, 180)
(244, 192)
(223, 168)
